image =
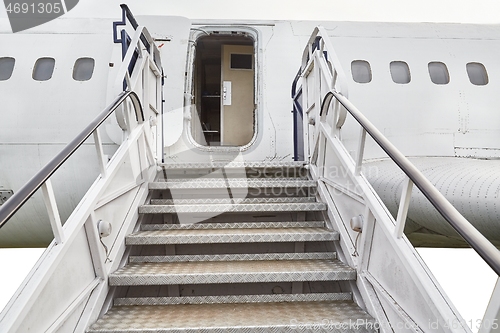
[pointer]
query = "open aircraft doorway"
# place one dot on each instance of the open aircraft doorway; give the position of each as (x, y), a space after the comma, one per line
(224, 89)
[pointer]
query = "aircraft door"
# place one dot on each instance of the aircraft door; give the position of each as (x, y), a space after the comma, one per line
(237, 95)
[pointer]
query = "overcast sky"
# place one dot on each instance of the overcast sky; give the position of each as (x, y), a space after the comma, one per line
(461, 268)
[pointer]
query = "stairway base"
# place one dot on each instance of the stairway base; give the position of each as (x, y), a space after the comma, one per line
(330, 316)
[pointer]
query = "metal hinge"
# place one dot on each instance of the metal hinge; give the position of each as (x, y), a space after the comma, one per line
(4, 195)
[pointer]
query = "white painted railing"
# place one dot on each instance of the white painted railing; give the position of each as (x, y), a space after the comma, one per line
(68, 286)
(394, 283)
(140, 72)
(70, 278)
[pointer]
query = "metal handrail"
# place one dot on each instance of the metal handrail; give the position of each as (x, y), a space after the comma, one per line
(145, 37)
(320, 34)
(128, 13)
(489, 253)
(11, 206)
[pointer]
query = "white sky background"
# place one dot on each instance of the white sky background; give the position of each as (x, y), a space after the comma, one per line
(458, 11)
(466, 278)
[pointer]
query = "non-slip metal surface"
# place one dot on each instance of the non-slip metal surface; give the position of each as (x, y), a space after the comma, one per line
(340, 316)
(218, 165)
(195, 236)
(236, 225)
(237, 180)
(235, 257)
(233, 183)
(233, 208)
(231, 272)
(272, 298)
(199, 201)
(223, 311)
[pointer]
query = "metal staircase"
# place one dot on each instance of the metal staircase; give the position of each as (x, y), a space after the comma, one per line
(238, 246)
(261, 257)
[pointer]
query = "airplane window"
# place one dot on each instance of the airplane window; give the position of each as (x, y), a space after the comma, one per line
(44, 67)
(83, 69)
(400, 72)
(361, 71)
(477, 73)
(6, 68)
(439, 73)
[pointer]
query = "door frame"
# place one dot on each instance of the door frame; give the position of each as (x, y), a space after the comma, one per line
(189, 88)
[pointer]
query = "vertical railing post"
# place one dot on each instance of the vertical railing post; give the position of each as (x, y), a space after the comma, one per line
(54, 217)
(366, 238)
(145, 85)
(403, 208)
(336, 111)
(313, 113)
(128, 80)
(159, 121)
(360, 152)
(100, 153)
(126, 114)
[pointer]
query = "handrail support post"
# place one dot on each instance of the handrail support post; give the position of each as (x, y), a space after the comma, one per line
(54, 217)
(24, 193)
(361, 150)
(126, 113)
(404, 204)
(128, 80)
(100, 153)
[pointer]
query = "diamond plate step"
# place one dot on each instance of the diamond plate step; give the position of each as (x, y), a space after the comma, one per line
(332, 316)
(233, 183)
(230, 201)
(236, 225)
(247, 268)
(312, 297)
(135, 274)
(233, 208)
(235, 169)
(196, 236)
(228, 165)
(235, 257)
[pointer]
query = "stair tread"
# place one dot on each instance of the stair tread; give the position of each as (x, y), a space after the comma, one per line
(200, 236)
(241, 265)
(234, 257)
(246, 164)
(234, 208)
(233, 183)
(236, 225)
(182, 201)
(266, 298)
(287, 180)
(234, 231)
(246, 317)
(232, 272)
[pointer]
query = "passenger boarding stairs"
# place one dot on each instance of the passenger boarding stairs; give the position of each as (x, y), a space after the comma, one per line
(219, 252)
(234, 246)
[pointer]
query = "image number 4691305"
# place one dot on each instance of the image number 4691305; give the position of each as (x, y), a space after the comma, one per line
(26, 14)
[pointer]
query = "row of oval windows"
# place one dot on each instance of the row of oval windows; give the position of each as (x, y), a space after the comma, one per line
(400, 72)
(83, 68)
(360, 69)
